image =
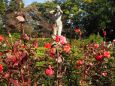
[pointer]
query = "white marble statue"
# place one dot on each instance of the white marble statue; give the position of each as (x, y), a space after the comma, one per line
(57, 27)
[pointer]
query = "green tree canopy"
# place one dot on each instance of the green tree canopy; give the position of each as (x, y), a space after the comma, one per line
(2, 7)
(15, 5)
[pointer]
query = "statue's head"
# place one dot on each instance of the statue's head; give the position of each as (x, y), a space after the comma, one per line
(58, 7)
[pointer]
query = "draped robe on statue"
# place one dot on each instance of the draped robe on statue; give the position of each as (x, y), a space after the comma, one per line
(57, 28)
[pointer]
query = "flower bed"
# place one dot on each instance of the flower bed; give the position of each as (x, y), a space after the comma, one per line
(40, 62)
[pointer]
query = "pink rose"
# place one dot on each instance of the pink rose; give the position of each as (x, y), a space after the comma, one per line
(96, 45)
(113, 40)
(104, 74)
(61, 39)
(106, 54)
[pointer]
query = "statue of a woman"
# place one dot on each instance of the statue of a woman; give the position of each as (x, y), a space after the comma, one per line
(57, 27)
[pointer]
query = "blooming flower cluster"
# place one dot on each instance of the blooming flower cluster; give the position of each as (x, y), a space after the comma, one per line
(55, 52)
(94, 61)
(102, 53)
(20, 63)
(15, 59)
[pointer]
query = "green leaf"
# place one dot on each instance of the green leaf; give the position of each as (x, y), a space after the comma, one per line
(41, 51)
(40, 63)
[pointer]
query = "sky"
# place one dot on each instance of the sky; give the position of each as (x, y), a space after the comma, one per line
(28, 2)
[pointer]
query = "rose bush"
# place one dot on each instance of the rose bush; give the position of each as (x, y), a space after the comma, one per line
(27, 62)
(96, 65)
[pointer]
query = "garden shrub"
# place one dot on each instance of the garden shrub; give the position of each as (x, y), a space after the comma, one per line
(93, 38)
(47, 62)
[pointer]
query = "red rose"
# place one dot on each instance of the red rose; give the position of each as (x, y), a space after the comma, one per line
(67, 48)
(1, 68)
(1, 38)
(49, 71)
(99, 57)
(47, 45)
(77, 30)
(52, 52)
(57, 39)
(106, 54)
